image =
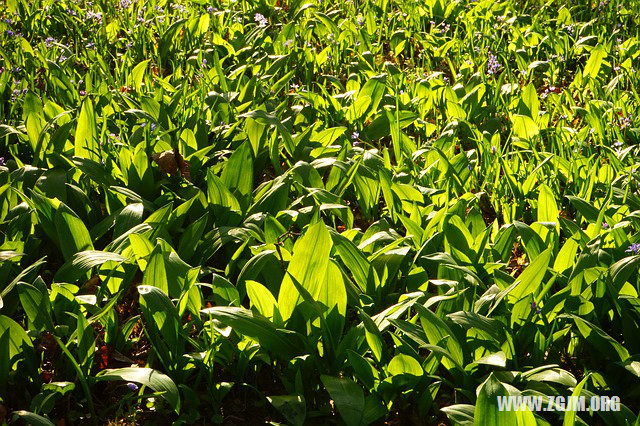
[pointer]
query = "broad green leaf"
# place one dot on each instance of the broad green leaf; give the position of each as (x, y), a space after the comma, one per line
(86, 136)
(18, 338)
(281, 342)
(547, 207)
(486, 412)
(80, 263)
(530, 279)
(524, 127)
(594, 62)
(308, 265)
(570, 416)
(404, 364)
(72, 233)
(292, 407)
(32, 418)
(262, 299)
(155, 380)
(437, 331)
(137, 74)
(348, 397)
(238, 172)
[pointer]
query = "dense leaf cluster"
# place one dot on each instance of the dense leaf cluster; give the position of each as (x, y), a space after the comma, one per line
(318, 212)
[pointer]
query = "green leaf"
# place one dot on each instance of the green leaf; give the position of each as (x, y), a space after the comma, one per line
(292, 407)
(594, 62)
(18, 338)
(348, 397)
(155, 380)
(460, 414)
(327, 136)
(531, 278)
(437, 330)
(137, 74)
(33, 419)
(80, 263)
(238, 172)
(486, 412)
(262, 299)
(163, 324)
(72, 233)
(308, 266)
(36, 304)
(547, 207)
(86, 137)
(570, 416)
(404, 364)
(284, 343)
(524, 127)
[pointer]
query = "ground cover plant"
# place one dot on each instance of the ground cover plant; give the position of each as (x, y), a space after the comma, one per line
(291, 212)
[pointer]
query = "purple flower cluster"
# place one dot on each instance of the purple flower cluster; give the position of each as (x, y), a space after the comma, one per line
(261, 20)
(548, 90)
(633, 248)
(493, 66)
(603, 4)
(626, 122)
(95, 16)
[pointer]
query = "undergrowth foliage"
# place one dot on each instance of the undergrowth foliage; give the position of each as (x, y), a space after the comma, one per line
(317, 212)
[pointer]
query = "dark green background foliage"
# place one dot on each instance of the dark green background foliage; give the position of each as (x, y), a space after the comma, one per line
(317, 212)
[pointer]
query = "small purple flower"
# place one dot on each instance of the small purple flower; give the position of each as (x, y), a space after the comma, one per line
(493, 149)
(288, 43)
(355, 135)
(261, 20)
(132, 386)
(626, 122)
(533, 305)
(125, 4)
(360, 20)
(469, 167)
(11, 33)
(90, 45)
(209, 9)
(82, 93)
(605, 225)
(204, 63)
(153, 126)
(2, 161)
(493, 66)
(564, 117)
(633, 248)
